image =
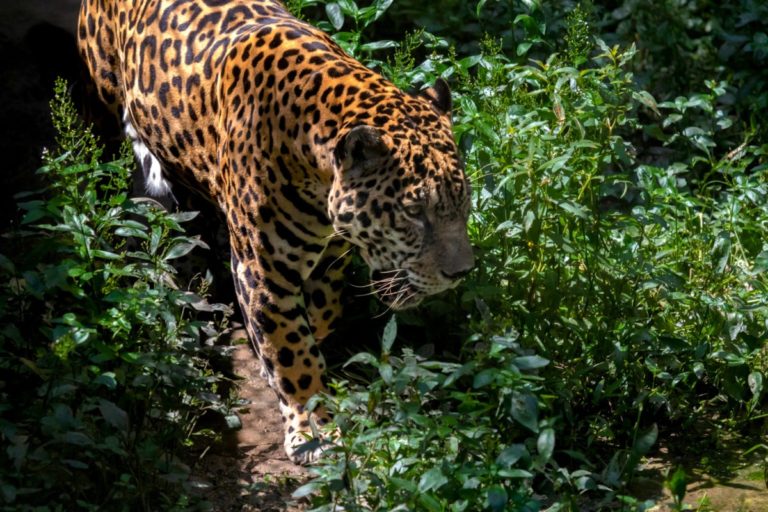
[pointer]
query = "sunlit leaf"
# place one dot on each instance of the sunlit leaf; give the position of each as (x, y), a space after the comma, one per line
(545, 444)
(335, 15)
(389, 335)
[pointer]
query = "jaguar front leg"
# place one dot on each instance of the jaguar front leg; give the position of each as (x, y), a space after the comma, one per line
(269, 290)
(322, 291)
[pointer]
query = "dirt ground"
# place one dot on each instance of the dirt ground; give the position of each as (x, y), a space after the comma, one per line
(252, 473)
(729, 486)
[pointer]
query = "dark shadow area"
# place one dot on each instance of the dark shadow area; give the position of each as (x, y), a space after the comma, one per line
(33, 52)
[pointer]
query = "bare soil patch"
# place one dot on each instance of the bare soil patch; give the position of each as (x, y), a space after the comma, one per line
(728, 483)
(251, 472)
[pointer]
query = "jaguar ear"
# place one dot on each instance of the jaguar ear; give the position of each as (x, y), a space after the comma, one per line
(361, 149)
(440, 96)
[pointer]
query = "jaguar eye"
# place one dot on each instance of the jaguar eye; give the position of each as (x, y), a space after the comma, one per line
(414, 210)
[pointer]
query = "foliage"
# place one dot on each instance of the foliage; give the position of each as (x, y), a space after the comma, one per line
(711, 41)
(438, 436)
(619, 238)
(103, 373)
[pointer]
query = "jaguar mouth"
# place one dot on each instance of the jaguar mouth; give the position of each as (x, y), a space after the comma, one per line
(394, 288)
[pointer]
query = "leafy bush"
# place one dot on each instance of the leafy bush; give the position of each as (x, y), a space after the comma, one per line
(708, 41)
(103, 369)
(438, 436)
(619, 239)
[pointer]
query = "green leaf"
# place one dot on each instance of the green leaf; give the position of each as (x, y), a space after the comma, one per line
(755, 381)
(496, 498)
(8, 492)
(645, 98)
(761, 262)
(155, 238)
(114, 415)
(378, 45)
(545, 444)
(35, 211)
(308, 489)
(465, 369)
(6, 264)
(233, 422)
(575, 209)
(432, 480)
(363, 357)
(532, 5)
(386, 372)
(721, 251)
(106, 379)
(182, 217)
(130, 357)
(645, 441)
(529, 22)
(523, 48)
(335, 16)
(106, 255)
(530, 362)
(729, 357)
(556, 163)
(528, 220)
(479, 7)
(524, 408)
(182, 247)
(430, 503)
(128, 231)
(77, 464)
(349, 7)
(484, 378)
(381, 7)
(390, 333)
(77, 438)
(514, 473)
(677, 485)
(511, 454)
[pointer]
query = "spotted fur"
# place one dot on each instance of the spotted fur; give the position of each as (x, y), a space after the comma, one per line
(306, 151)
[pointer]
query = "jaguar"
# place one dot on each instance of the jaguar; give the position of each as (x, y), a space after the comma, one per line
(305, 151)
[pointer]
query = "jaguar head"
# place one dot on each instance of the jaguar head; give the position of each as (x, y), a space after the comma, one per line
(400, 194)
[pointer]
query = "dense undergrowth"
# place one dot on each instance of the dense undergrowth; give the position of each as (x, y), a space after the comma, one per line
(620, 293)
(620, 215)
(105, 363)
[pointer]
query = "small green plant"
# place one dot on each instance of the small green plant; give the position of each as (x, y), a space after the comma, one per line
(676, 483)
(103, 367)
(764, 448)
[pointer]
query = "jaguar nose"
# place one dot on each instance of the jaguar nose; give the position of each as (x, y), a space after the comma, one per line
(453, 253)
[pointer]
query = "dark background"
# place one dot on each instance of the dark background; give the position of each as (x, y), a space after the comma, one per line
(37, 44)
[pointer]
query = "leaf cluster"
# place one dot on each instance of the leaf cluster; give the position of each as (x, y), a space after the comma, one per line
(104, 365)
